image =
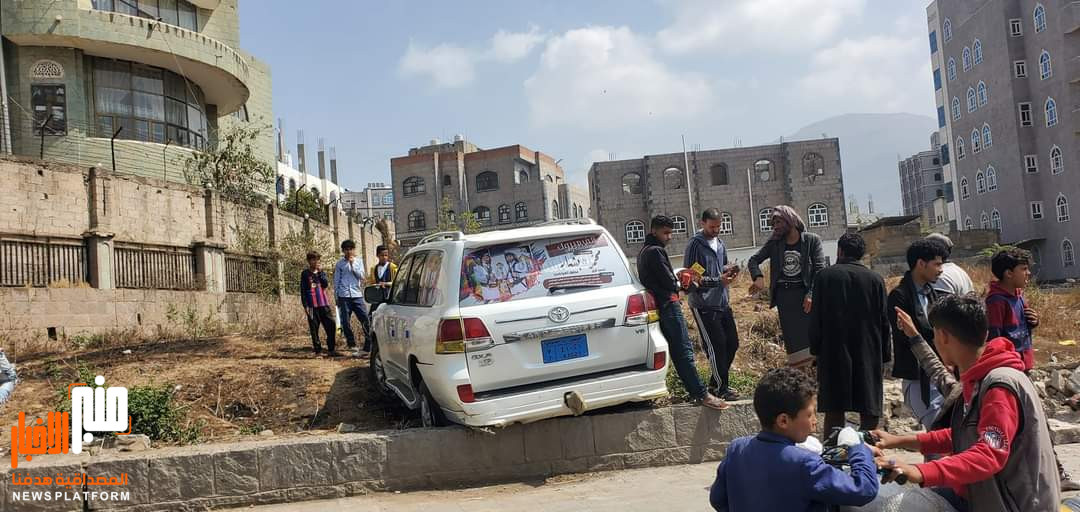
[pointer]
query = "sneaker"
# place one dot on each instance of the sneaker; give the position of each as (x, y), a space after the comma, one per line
(712, 402)
(333, 353)
(730, 395)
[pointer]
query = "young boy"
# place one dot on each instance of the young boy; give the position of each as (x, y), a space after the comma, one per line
(1007, 313)
(769, 472)
(1001, 456)
(382, 274)
(349, 289)
(313, 285)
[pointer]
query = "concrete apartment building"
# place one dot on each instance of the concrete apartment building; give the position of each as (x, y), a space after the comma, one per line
(744, 183)
(1004, 77)
(922, 180)
(375, 201)
(161, 75)
(505, 187)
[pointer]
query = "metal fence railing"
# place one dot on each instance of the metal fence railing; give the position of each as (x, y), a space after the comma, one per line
(247, 274)
(147, 267)
(42, 262)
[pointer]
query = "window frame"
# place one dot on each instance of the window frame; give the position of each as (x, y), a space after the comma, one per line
(966, 58)
(995, 219)
(638, 231)
(1035, 209)
(489, 179)
(1050, 110)
(418, 187)
(1057, 163)
(977, 53)
(982, 93)
(680, 227)
(1061, 207)
(505, 209)
(1046, 65)
(727, 226)
(630, 189)
(980, 182)
(1068, 253)
(1016, 27)
(976, 141)
(155, 104)
(1020, 68)
(1031, 164)
(1038, 16)
(1024, 107)
(718, 175)
(987, 136)
(991, 178)
(822, 215)
(946, 30)
(972, 104)
(960, 148)
(765, 219)
(482, 214)
(418, 225)
(956, 115)
(521, 211)
(950, 69)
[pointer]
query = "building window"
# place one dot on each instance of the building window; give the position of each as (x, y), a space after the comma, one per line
(955, 108)
(968, 224)
(813, 165)
(937, 177)
(521, 211)
(1051, 112)
(1020, 69)
(1025, 114)
(482, 214)
(680, 225)
(971, 100)
(765, 220)
(995, 220)
(964, 192)
(417, 221)
(1057, 162)
(150, 104)
(719, 174)
(631, 183)
(412, 186)
(984, 221)
(504, 214)
(764, 170)
(937, 79)
(673, 178)
(946, 30)
(1040, 18)
(818, 215)
(1031, 164)
(1016, 27)
(635, 232)
(976, 142)
(980, 182)
(1062, 208)
(967, 58)
(446, 182)
(487, 180)
(977, 48)
(726, 226)
(991, 178)
(944, 154)
(987, 141)
(388, 199)
(960, 148)
(522, 176)
(554, 209)
(1045, 69)
(49, 103)
(1067, 256)
(174, 12)
(984, 96)
(950, 68)
(941, 117)
(1036, 210)
(292, 185)
(933, 42)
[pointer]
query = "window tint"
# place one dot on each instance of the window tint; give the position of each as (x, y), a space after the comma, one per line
(412, 286)
(429, 279)
(398, 292)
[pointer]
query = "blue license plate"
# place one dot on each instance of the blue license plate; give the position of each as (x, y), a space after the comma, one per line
(562, 349)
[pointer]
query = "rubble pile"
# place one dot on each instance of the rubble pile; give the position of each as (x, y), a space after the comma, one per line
(1060, 392)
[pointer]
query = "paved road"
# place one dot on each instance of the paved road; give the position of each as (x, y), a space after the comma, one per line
(667, 488)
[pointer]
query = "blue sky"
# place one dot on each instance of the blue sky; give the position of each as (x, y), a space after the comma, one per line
(580, 79)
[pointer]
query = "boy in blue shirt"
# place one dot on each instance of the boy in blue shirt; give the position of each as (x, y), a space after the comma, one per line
(769, 472)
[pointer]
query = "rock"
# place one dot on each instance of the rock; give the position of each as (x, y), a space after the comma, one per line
(1073, 384)
(1059, 381)
(266, 432)
(1063, 433)
(1041, 388)
(345, 428)
(133, 443)
(128, 351)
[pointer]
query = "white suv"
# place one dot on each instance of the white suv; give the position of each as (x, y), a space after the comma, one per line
(516, 326)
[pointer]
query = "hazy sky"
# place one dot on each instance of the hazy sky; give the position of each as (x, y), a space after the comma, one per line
(580, 79)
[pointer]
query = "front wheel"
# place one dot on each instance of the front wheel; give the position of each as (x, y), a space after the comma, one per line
(377, 370)
(431, 415)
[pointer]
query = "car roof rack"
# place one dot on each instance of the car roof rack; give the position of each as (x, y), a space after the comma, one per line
(568, 222)
(442, 236)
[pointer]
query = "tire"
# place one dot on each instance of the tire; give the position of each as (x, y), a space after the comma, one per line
(376, 370)
(431, 415)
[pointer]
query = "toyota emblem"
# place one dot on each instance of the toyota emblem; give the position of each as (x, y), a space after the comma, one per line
(559, 314)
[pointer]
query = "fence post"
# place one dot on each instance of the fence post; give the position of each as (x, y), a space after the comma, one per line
(271, 238)
(209, 266)
(99, 259)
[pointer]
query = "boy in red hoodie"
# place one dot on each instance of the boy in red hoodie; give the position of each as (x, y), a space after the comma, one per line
(1000, 457)
(1008, 315)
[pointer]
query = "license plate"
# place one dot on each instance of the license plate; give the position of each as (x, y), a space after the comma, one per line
(562, 349)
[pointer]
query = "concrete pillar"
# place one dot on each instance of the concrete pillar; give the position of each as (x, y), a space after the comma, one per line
(271, 237)
(99, 198)
(210, 266)
(99, 256)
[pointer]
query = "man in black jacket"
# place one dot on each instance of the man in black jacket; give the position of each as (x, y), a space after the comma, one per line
(655, 273)
(914, 295)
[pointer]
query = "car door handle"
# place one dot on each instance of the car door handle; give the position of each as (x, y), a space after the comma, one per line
(406, 334)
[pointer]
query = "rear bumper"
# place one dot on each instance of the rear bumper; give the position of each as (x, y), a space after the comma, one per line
(534, 405)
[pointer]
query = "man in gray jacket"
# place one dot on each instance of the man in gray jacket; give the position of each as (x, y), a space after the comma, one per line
(8, 379)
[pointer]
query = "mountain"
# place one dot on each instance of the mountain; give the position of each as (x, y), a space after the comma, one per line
(869, 146)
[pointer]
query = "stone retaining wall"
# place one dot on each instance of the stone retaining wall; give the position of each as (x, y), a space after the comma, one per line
(339, 465)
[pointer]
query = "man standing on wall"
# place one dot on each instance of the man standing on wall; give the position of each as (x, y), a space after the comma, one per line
(794, 257)
(348, 279)
(707, 256)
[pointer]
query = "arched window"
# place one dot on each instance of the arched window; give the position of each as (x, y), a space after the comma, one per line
(980, 183)
(1062, 208)
(292, 185)
(673, 178)
(680, 225)
(983, 95)
(1045, 69)
(995, 220)
(550, 178)
(1051, 112)
(955, 108)
(991, 178)
(967, 58)
(417, 221)
(765, 220)
(971, 99)
(504, 213)
(1068, 257)
(631, 183)
(977, 47)
(964, 192)
(984, 221)
(726, 227)
(764, 170)
(960, 148)
(1040, 18)
(635, 232)
(976, 141)
(946, 30)
(482, 214)
(818, 215)
(413, 186)
(522, 176)
(279, 185)
(813, 165)
(719, 174)
(987, 140)
(487, 180)
(554, 209)
(1057, 163)
(521, 211)
(968, 224)
(951, 68)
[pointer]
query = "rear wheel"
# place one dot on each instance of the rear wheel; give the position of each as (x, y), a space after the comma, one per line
(376, 370)
(431, 415)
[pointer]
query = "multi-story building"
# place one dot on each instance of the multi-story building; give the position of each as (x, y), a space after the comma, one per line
(1004, 76)
(159, 77)
(921, 180)
(743, 183)
(375, 201)
(505, 187)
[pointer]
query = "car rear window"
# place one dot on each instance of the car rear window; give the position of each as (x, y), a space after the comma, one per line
(540, 267)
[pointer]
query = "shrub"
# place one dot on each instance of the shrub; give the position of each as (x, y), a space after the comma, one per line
(154, 412)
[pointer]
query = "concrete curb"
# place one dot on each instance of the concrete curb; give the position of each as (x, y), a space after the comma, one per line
(339, 465)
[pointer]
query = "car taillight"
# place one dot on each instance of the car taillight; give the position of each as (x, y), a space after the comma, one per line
(465, 394)
(659, 360)
(457, 335)
(650, 305)
(641, 309)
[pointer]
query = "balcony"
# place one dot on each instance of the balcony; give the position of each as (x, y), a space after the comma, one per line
(218, 69)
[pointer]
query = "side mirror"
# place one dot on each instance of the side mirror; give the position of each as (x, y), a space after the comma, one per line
(374, 295)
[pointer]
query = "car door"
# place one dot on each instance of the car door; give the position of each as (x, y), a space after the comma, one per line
(392, 335)
(418, 321)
